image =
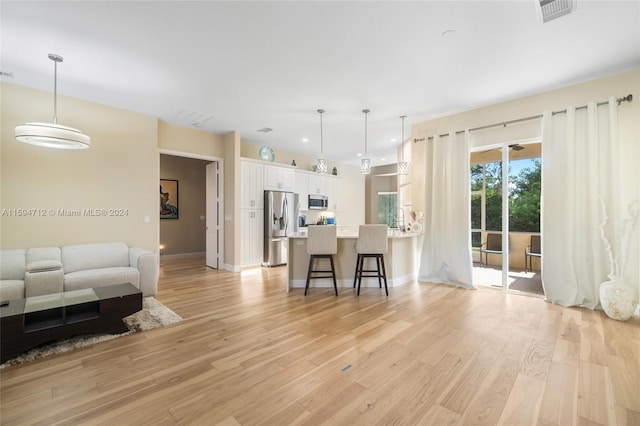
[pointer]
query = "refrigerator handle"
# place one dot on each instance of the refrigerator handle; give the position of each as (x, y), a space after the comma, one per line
(285, 215)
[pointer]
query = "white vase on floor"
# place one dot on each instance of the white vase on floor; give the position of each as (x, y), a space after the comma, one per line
(618, 298)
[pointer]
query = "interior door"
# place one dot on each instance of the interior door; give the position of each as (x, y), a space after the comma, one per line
(213, 210)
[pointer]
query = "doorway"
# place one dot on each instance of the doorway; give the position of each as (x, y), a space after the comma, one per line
(507, 198)
(198, 228)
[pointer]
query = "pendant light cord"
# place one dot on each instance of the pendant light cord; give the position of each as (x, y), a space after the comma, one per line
(55, 58)
(321, 111)
(55, 92)
(366, 112)
(402, 141)
(321, 139)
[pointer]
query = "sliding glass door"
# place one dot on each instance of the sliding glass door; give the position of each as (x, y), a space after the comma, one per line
(506, 198)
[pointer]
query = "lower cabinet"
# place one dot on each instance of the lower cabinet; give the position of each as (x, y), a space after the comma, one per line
(252, 237)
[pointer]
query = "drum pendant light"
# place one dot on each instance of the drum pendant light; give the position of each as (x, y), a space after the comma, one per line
(365, 163)
(52, 135)
(403, 166)
(322, 163)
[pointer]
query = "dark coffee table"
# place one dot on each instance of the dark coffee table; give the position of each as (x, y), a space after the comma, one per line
(27, 323)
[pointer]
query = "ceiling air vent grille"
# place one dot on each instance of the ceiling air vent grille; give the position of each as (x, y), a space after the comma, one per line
(552, 9)
(196, 119)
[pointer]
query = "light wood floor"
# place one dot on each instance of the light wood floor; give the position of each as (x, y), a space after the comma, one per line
(247, 353)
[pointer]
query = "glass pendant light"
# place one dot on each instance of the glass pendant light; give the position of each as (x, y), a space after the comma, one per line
(365, 163)
(403, 166)
(322, 163)
(52, 135)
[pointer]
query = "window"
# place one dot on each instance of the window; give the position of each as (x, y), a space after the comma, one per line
(388, 208)
(524, 197)
(486, 200)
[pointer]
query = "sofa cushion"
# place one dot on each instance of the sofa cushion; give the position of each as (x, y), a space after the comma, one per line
(12, 264)
(101, 277)
(43, 253)
(83, 257)
(44, 265)
(11, 289)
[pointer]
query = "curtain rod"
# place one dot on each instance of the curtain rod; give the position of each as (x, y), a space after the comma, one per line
(627, 98)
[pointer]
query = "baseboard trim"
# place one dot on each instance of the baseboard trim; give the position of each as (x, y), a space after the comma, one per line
(183, 255)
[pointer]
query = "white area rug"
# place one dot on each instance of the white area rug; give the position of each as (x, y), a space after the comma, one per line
(153, 315)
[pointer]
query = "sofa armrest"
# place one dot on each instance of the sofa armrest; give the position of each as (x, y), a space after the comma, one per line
(147, 264)
(43, 277)
(44, 266)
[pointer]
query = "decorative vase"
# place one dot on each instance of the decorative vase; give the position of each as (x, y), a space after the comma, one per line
(618, 298)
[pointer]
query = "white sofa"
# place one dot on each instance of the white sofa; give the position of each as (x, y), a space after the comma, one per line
(37, 271)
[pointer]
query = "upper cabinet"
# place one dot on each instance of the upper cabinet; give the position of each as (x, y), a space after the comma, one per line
(310, 183)
(251, 181)
(334, 192)
(301, 188)
(317, 184)
(278, 178)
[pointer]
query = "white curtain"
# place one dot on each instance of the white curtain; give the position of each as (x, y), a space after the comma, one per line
(580, 167)
(446, 254)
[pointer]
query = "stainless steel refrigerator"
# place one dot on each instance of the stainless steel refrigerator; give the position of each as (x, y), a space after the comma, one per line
(280, 221)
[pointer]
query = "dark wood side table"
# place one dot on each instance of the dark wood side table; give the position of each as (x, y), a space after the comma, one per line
(27, 323)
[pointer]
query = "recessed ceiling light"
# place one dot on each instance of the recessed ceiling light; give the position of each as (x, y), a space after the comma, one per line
(394, 140)
(265, 130)
(305, 140)
(383, 159)
(359, 154)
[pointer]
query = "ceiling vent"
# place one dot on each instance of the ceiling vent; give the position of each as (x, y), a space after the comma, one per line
(265, 130)
(195, 119)
(552, 9)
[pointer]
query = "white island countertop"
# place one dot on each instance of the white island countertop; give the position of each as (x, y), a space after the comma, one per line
(350, 233)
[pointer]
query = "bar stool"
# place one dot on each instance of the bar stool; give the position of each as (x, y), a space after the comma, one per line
(322, 243)
(372, 243)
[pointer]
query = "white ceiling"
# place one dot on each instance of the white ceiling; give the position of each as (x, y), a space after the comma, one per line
(250, 65)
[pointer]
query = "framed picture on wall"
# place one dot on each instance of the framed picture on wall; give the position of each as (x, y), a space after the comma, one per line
(168, 199)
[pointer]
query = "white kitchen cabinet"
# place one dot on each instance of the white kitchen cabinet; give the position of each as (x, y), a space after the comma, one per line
(251, 236)
(334, 192)
(317, 184)
(278, 178)
(251, 185)
(301, 187)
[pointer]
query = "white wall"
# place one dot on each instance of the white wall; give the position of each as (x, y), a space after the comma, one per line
(119, 171)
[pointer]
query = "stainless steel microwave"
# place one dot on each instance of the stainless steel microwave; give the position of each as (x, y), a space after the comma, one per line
(318, 202)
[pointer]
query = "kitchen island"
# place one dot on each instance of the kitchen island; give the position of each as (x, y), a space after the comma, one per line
(401, 261)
